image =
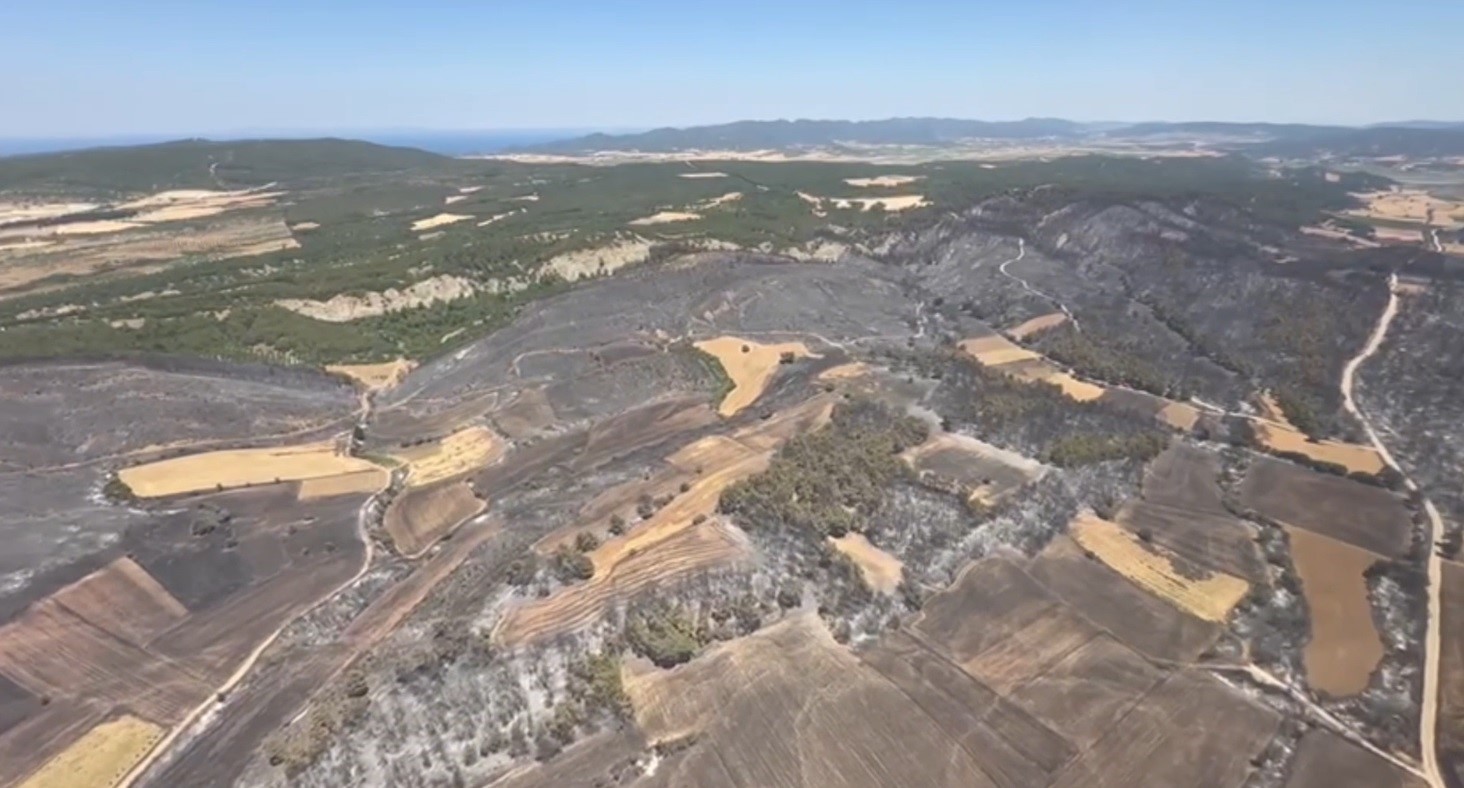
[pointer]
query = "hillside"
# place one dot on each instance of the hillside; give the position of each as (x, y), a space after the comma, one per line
(205, 164)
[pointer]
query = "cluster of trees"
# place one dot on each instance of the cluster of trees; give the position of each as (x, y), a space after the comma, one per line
(832, 481)
(1088, 448)
(1105, 362)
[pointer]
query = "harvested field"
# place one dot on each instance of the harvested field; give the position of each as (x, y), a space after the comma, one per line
(1409, 205)
(239, 468)
(666, 217)
(135, 249)
(977, 469)
(1036, 324)
(346, 484)
(773, 709)
(1451, 668)
(421, 516)
(1156, 742)
(1180, 415)
(1084, 693)
(123, 600)
(375, 377)
(883, 180)
(683, 553)
(462, 452)
(1181, 510)
(1326, 760)
(854, 369)
(994, 350)
(439, 220)
(1361, 515)
(1210, 598)
(1136, 618)
(101, 758)
(1344, 648)
(750, 365)
(1351, 456)
(881, 570)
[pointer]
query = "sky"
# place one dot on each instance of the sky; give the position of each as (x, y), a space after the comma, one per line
(94, 68)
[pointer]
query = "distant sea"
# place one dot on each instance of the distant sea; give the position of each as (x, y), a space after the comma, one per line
(448, 143)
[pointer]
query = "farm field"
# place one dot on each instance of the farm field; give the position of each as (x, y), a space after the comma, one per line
(236, 468)
(100, 758)
(1361, 515)
(750, 365)
(1345, 646)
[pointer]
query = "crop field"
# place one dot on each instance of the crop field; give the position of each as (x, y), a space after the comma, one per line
(1359, 514)
(1210, 598)
(345, 484)
(1326, 760)
(750, 365)
(1000, 353)
(1451, 667)
(1040, 323)
(981, 471)
(230, 469)
(1180, 510)
(460, 453)
(101, 758)
(422, 515)
(1345, 646)
(375, 377)
(1352, 456)
(881, 570)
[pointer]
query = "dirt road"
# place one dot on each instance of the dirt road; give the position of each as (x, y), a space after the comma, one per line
(1428, 714)
(1022, 252)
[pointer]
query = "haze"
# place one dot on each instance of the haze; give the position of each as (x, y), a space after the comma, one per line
(86, 68)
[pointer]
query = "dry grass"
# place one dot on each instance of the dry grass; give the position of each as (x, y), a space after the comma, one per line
(240, 468)
(101, 758)
(666, 217)
(1210, 598)
(1409, 205)
(1344, 647)
(345, 484)
(994, 350)
(750, 365)
(376, 377)
(1352, 456)
(1042, 323)
(884, 180)
(881, 570)
(1180, 415)
(465, 450)
(850, 371)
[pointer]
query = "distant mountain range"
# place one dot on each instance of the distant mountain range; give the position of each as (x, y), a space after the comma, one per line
(1417, 138)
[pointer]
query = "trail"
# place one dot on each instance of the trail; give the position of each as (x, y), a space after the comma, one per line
(1022, 252)
(1428, 714)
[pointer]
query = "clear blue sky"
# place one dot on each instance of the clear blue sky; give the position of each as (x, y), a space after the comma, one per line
(107, 67)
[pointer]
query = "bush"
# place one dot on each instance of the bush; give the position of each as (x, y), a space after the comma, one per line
(666, 637)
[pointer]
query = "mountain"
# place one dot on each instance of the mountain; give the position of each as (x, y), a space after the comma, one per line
(776, 134)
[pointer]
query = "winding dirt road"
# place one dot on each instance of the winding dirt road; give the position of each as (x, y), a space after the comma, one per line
(1428, 714)
(1022, 252)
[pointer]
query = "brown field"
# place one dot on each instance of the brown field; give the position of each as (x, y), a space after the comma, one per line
(750, 371)
(977, 469)
(1036, 324)
(137, 249)
(1210, 598)
(1359, 514)
(1000, 353)
(853, 369)
(881, 570)
(1326, 760)
(375, 377)
(1352, 456)
(461, 452)
(1410, 205)
(1110, 601)
(101, 758)
(124, 601)
(1344, 647)
(1451, 668)
(1180, 509)
(330, 486)
(240, 468)
(1180, 415)
(421, 516)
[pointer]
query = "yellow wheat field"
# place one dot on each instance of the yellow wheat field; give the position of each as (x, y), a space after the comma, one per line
(750, 371)
(329, 486)
(240, 467)
(1210, 598)
(375, 376)
(99, 759)
(463, 451)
